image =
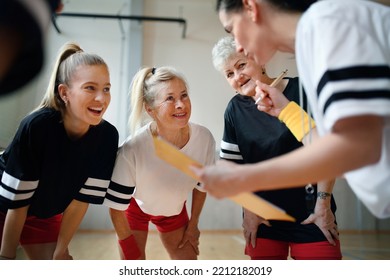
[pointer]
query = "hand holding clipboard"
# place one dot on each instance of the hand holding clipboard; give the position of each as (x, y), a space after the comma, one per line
(250, 201)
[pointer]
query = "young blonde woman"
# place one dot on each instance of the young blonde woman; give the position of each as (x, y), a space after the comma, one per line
(144, 188)
(60, 160)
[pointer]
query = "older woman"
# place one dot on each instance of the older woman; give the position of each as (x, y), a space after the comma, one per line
(160, 190)
(252, 136)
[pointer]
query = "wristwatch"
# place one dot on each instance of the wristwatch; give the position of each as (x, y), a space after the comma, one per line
(323, 195)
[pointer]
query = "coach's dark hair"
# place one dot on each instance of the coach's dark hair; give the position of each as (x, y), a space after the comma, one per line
(284, 5)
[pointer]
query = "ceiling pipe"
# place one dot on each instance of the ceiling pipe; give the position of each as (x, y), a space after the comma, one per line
(120, 17)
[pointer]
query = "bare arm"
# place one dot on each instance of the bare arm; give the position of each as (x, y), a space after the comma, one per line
(198, 200)
(351, 145)
(323, 216)
(121, 225)
(71, 220)
(13, 227)
(303, 128)
(129, 248)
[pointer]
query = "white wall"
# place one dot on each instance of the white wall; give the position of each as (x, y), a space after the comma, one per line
(163, 45)
(157, 44)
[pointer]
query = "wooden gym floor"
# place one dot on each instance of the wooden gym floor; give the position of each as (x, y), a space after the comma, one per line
(220, 245)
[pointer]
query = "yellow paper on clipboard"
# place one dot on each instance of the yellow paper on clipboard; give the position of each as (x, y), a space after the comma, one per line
(250, 201)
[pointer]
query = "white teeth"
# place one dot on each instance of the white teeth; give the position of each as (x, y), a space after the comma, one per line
(179, 115)
(96, 109)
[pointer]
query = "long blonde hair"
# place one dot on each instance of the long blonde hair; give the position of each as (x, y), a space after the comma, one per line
(69, 57)
(144, 88)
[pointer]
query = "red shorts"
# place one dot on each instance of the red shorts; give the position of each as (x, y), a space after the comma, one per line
(138, 220)
(37, 231)
(268, 249)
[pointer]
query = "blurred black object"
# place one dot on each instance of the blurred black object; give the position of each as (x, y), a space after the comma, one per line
(23, 25)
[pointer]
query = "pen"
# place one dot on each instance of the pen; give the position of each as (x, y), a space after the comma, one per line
(274, 83)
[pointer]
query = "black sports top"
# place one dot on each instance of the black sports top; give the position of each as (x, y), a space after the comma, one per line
(252, 136)
(45, 169)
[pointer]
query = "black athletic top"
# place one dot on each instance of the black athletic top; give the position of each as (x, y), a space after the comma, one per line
(252, 136)
(45, 169)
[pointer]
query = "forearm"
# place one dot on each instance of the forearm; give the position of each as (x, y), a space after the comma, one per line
(71, 220)
(327, 158)
(310, 136)
(120, 223)
(324, 192)
(129, 247)
(325, 186)
(13, 227)
(198, 199)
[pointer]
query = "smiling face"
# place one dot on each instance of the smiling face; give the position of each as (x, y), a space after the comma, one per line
(241, 73)
(87, 97)
(172, 106)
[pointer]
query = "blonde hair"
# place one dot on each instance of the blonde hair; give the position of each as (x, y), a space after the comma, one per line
(69, 57)
(144, 88)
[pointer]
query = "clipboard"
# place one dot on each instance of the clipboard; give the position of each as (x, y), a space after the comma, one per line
(248, 200)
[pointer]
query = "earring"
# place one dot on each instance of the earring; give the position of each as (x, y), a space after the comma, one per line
(65, 101)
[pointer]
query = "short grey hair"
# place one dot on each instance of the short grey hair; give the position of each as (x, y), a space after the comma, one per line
(222, 51)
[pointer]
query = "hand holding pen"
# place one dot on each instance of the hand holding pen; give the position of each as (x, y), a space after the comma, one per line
(273, 84)
(270, 99)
